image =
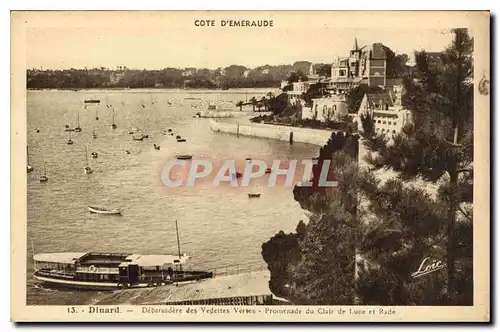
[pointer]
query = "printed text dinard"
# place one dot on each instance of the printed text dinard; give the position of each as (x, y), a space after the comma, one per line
(202, 310)
(235, 23)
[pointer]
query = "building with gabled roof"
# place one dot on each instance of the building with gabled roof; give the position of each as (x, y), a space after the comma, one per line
(365, 65)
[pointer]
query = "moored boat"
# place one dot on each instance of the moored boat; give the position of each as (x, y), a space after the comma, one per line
(102, 210)
(92, 101)
(77, 128)
(44, 177)
(87, 169)
(113, 124)
(29, 168)
(253, 195)
(70, 141)
(111, 271)
(184, 156)
(138, 137)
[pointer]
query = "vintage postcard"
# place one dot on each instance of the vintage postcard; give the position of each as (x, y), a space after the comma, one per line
(250, 166)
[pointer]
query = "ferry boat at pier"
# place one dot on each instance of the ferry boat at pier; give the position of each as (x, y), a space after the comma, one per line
(111, 271)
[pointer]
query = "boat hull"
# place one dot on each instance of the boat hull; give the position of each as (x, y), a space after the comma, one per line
(111, 286)
(80, 285)
(184, 157)
(99, 211)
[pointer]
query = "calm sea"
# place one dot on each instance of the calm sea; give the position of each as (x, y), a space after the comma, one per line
(218, 226)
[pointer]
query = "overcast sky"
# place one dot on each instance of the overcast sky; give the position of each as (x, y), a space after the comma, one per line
(184, 45)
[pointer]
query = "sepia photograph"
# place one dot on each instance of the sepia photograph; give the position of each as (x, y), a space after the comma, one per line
(250, 163)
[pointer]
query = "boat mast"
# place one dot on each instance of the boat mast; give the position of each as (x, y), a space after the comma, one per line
(78, 120)
(27, 155)
(86, 157)
(32, 247)
(33, 253)
(178, 242)
(44, 170)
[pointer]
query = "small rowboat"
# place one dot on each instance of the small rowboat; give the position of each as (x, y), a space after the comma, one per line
(138, 137)
(99, 210)
(255, 195)
(180, 140)
(184, 156)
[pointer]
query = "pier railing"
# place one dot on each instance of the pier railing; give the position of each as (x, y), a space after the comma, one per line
(238, 269)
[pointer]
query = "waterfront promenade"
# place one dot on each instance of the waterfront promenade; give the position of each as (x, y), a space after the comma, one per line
(242, 126)
(244, 288)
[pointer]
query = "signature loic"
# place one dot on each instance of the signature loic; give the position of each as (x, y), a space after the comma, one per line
(427, 266)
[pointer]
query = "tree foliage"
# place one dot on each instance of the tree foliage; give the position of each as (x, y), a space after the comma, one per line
(316, 198)
(355, 96)
(296, 76)
(439, 147)
(280, 252)
(325, 272)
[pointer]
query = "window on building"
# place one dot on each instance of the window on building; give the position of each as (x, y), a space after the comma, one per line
(324, 109)
(394, 132)
(334, 108)
(342, 72)
(389, 123)
(386, 107)
(378, 121)
(384, 122)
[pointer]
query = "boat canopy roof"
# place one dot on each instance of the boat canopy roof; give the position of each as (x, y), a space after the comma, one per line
(60, 257)
(122, 259)
(154, 260)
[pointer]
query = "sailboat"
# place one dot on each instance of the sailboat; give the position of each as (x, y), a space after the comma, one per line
(44, 177)
(152, 100)
(69, 138)
(113, 125)
(142, 104)
(77, 128)
(96, 116)
(28, 166)
(87, 168)
(94, 135)
(108, 105)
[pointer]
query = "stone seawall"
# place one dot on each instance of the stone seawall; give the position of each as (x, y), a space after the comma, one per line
(283, 133)
(230, 114)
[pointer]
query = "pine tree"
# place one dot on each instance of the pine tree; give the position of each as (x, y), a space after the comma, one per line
(405, 226)
(280, 252)
(438, 147)
(325, 273)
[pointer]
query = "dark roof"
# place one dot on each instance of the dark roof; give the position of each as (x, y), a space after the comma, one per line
(379, 99)
(378, 51)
